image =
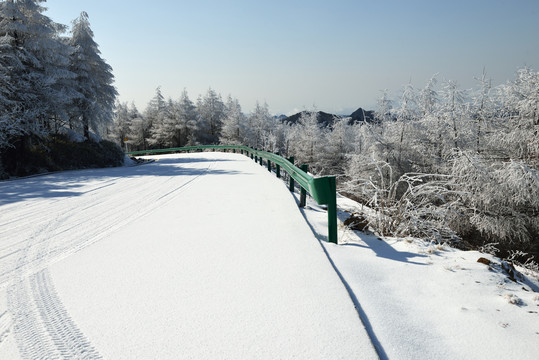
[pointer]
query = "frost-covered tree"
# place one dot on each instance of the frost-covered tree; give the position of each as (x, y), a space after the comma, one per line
(454, 115)
(403, 130)
(164, 126)
(33, 69)
(139, 129)
(176, 123)
(339, 143)
(94, 82)
(120, 128)
(308, 141)
(233, 131)
(384, 105)
(517, 136)
(483, 111)
(187, 116)
(428, 97)
(211, 112)
(260, 126)
(155, 114)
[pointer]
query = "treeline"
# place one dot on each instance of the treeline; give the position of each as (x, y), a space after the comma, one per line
(182, 122)
(440, 162)
(50, 83)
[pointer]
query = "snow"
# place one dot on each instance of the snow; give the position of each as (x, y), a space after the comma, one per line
(128, 161)
(206, 255)
(430, 301)
(191, 256)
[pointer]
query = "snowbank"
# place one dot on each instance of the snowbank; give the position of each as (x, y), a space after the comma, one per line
(425, 301)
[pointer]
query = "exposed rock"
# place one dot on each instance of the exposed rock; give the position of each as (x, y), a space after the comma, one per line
(356, 222)
(483, 260)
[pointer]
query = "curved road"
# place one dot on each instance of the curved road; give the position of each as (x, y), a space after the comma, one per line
(194, 256)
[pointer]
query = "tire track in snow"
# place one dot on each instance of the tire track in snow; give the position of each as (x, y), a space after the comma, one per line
(113, 219)
(41, 325)
(5, 325)
(70, 228)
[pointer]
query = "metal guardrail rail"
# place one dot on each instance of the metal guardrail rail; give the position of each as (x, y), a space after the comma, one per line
(322, 189)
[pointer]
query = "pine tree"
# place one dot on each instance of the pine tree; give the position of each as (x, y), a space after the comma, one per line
(339, 143)
(211, 112)
(93, 109)
(233, 130)
(139, 129)
(260, 125)
(187, 116)
(155, 114)
(119, 131)
(308, 141)
(33, 69)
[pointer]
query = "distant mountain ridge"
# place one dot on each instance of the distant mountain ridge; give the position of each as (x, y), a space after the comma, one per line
(326, 119)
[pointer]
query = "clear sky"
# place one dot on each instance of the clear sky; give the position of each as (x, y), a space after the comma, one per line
(335, 55)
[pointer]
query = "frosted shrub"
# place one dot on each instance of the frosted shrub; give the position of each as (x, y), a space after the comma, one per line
(501, 199)
(414, 205)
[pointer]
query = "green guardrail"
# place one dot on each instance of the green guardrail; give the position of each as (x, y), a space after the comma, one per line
(322, 189)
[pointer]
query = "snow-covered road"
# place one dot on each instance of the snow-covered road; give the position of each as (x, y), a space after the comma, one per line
(175, 259)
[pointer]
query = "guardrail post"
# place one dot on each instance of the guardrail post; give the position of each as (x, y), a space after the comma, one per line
(278, 167)
(303, 192)
(332, 211)
(291, 187)
(269, 165)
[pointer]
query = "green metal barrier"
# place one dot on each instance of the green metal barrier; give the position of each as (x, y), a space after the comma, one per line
(322, 189)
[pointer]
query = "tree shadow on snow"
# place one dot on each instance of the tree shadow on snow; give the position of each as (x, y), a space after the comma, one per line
(65, 184)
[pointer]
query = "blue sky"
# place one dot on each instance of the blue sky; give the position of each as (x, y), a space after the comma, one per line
(334, 55)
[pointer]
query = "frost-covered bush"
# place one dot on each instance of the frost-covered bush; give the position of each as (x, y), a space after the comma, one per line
(442, 163)
(499, 199)
(413, 205)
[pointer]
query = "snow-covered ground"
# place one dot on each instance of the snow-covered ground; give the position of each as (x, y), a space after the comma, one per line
(426, 301)
(196, 256)
(207, 256)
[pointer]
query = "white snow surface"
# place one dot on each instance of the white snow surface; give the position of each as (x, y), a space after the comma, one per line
(206, 256)
(428, 301)
(193, 256)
